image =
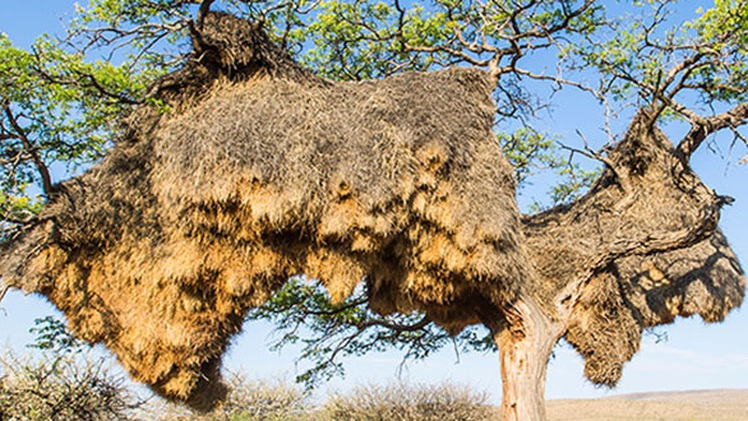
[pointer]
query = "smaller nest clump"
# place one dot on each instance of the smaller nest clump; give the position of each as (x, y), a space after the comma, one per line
(224, 48)
(639, 292)
(663, 199)
(642, 292)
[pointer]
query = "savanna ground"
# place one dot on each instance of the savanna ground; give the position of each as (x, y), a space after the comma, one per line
(69, 385)
(448, 402)
(722, 405)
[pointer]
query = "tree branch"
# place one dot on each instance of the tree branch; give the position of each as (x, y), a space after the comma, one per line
(3, 291)
(621, 173)
(28, 145)
(703, 127)
(202, 12)
(399, 328)
(337, 310)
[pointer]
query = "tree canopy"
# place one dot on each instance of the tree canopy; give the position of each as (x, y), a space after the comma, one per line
(63, 101)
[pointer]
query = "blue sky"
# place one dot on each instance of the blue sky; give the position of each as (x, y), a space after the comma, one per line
(695, 355)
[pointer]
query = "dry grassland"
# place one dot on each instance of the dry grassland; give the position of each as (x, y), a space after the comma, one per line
(712, 405)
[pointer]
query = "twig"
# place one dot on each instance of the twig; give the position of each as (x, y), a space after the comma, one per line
(2, 295)
(622, 174)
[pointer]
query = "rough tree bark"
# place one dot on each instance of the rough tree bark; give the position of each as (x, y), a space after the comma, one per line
(525, 338)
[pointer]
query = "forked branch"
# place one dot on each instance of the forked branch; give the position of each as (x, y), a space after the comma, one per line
(703, 127)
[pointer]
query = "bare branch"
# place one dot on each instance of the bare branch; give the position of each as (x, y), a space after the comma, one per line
(703, 127)
(3, 291)
(621, 173)
(399, 328)
(29, 147)
(338, 310)
(202, 12)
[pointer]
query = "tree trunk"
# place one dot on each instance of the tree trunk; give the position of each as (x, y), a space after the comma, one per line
(525, 340)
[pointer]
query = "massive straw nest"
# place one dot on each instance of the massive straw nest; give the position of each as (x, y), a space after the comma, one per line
(262, 171)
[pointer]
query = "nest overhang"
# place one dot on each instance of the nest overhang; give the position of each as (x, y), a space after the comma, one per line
(262, 171)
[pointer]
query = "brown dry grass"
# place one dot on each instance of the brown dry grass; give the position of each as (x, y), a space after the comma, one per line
(717, 405)
(262, 171)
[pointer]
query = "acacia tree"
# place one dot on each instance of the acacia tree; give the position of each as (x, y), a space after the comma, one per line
(640, 247)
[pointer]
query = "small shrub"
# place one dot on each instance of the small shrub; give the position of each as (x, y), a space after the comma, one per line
(263, 399)
(70, 386)
(251, 400)
(406, 402)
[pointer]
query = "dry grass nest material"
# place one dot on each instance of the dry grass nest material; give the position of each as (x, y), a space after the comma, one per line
(263, 171)
(639, 291)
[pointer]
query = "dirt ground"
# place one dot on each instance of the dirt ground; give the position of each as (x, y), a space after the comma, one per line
(712, 405)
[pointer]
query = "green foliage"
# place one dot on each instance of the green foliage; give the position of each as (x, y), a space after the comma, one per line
(576, 181)
(52, 335)
(55, 108)
(724, 29)
(303, 314)
(530, 152)
(63, 104)
(370, 39)
(651, 54)
(20, 207)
